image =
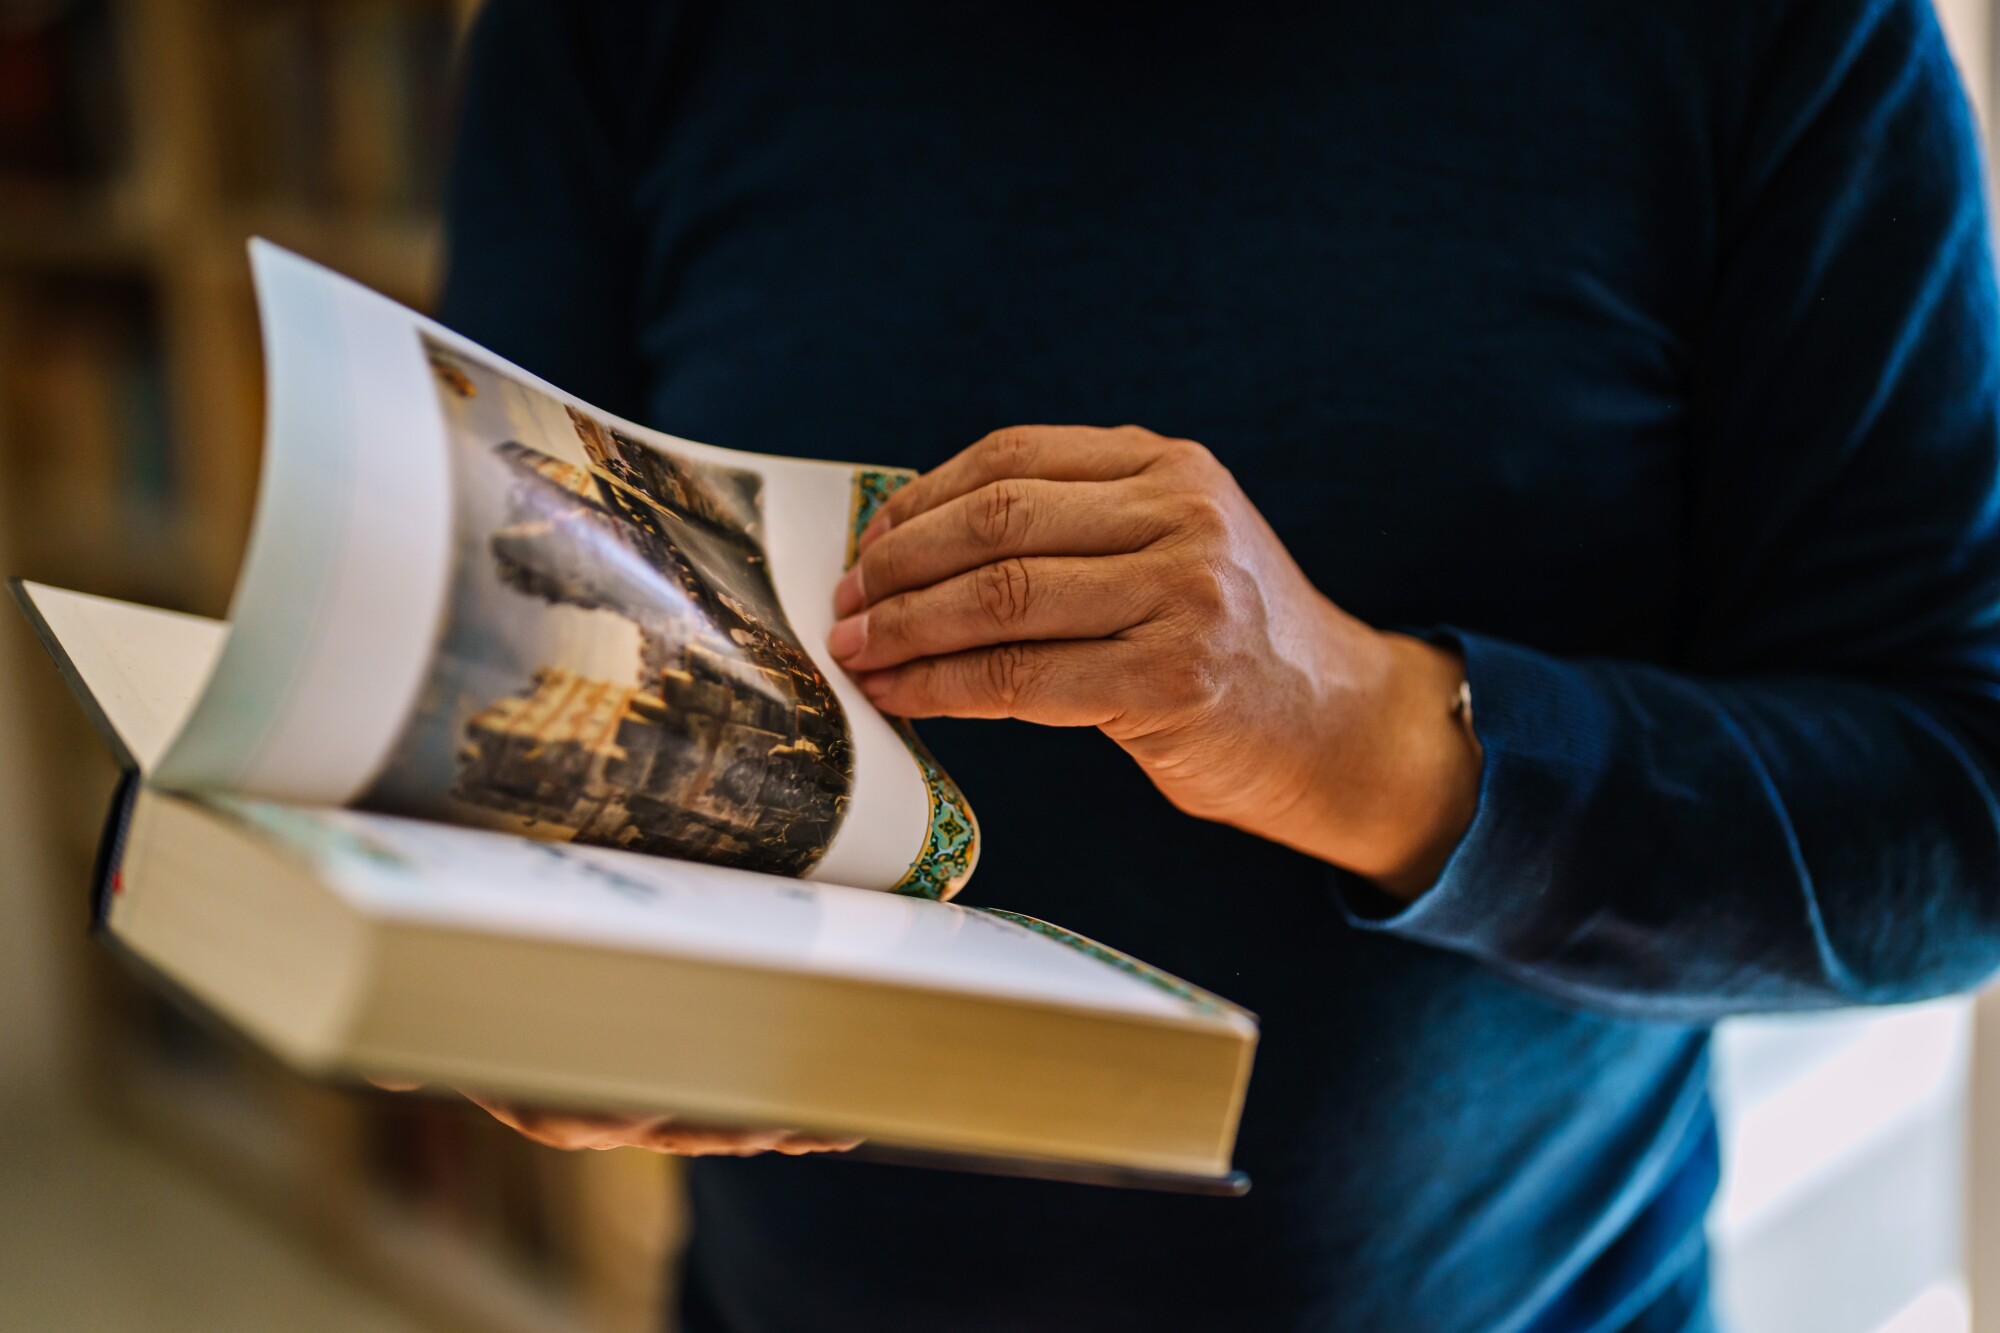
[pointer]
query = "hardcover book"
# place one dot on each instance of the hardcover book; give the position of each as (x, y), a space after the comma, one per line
(518, 767)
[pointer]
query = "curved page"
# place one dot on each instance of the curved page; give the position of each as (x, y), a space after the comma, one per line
(474, 599)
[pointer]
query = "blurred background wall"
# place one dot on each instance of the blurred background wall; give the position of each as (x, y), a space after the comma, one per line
(155, 1176)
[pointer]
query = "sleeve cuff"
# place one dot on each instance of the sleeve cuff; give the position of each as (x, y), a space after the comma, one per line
(1544, 726)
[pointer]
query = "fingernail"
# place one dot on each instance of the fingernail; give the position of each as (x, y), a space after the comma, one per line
(875, 684)
(877, 525)
(848, 594)
(847, 637)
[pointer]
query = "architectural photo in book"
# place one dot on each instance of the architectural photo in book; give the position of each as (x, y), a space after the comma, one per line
(615, 667)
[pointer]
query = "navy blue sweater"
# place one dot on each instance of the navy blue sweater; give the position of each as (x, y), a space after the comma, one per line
(1646, 351)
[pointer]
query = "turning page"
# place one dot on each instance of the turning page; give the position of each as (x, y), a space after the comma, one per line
(472, 598)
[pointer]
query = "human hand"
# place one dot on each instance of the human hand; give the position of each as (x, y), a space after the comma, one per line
(572, 1131)
(1073, 576)
(658, 1133)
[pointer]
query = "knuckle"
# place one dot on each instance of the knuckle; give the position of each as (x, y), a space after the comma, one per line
(1006, 451)
(1003, 589)
(1188, 686)
(998, 514)
(1198, 689)
(1200, 589)
(1192, 460)
(1199, 514)
(1007, 674)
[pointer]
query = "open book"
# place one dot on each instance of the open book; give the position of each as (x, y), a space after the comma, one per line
(519, 766)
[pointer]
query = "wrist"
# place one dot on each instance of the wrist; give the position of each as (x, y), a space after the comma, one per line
(1391, 774)
(1373, 766)
(1431, 761)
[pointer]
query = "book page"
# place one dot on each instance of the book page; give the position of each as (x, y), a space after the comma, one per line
(138, 670)
(336, 609)
(475, 599)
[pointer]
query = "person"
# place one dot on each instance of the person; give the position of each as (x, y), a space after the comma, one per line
(1632, 366)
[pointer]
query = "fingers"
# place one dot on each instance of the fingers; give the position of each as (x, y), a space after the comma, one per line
(694, 1141)
(1014, 516)
(573, 1131)
(1029, 577)
(799, 1145)
(1014, 599)
(1073, 684)
(1054, 453)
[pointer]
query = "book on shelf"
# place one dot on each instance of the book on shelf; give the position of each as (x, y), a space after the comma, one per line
(61, 120)
(83, 416)
(518, 767)
(338, 107)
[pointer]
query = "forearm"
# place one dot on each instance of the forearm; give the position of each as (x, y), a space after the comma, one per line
(1677, 847)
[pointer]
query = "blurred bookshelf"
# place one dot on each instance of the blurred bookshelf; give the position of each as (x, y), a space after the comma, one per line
(142, 142)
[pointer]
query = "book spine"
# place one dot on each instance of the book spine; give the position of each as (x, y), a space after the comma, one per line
(109, 869)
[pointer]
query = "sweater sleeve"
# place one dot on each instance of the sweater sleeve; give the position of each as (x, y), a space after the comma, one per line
(540, 248)
(1800, 809)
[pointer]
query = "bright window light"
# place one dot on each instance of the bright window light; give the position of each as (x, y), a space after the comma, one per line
(1940, 1309)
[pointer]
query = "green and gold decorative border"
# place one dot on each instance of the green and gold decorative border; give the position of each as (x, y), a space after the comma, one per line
(1201, 1000)
(872, 489)
(951, 842)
